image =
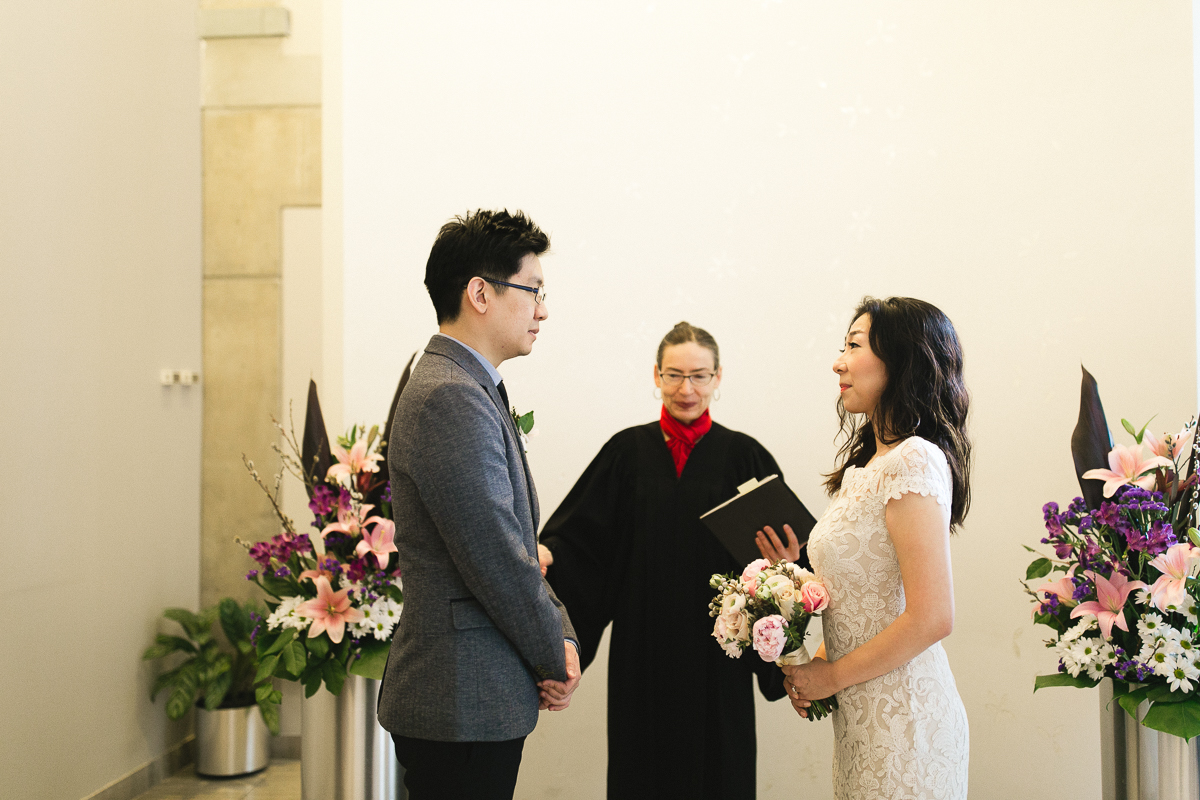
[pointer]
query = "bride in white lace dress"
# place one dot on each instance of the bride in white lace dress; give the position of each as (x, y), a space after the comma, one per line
(882, 549)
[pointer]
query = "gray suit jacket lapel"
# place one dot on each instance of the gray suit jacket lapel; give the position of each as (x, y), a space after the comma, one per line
(459, 355)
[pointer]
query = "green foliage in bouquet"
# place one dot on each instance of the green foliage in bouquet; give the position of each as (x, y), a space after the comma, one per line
(211, 675)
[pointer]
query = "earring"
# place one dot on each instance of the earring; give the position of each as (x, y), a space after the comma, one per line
(717, 396)
(657, 394)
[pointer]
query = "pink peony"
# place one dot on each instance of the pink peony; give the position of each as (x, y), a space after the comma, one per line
(814, 597)
(769, 637)
(750, 574)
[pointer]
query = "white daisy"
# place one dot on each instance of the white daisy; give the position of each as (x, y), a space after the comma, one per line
(1162, 663)
(1066, 652)
(1079, 629)
(1179, 680)
(1149, 627)
(285, 615)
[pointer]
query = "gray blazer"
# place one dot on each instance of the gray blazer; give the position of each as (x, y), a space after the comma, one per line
(480, 624)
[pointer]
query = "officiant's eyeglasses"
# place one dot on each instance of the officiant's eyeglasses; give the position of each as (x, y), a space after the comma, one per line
(539, 292)
(677, 379)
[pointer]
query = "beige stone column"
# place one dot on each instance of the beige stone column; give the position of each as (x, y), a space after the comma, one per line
(261, 111)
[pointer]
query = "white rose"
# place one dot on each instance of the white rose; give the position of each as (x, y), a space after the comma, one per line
(801, 575)
(732, 603)
(737, 626)
(777, 582)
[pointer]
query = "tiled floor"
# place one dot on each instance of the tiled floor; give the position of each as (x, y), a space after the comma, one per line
(280, 781)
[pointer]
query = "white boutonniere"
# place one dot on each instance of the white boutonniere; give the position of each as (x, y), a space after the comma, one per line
(524, 423)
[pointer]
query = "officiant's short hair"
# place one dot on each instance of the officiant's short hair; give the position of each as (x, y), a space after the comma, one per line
(481, 243)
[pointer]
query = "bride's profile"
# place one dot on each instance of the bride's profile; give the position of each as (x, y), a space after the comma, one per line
(882, 549)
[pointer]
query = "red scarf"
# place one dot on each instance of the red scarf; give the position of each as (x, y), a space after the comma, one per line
(682, 437)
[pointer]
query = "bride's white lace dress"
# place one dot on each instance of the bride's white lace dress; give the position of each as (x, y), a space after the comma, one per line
(902, 735)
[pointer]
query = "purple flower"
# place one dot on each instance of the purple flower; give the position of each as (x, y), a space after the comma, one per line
(1090, 553)
(322, 500)
(252, 574)
(387, 493)
(282, 572)
(1109, 514)
(261, 552)
(343, 500)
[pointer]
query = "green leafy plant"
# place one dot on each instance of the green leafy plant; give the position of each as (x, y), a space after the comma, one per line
(210, 675)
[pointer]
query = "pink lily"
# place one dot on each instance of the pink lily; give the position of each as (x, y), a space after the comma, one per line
(379, 541)
(1167, 446)
(1128, 466)
(1110, 607)
(353, 462)
(320, 571)
(351, 522)
(329, 612)
(1063, 588)
(1175, 565)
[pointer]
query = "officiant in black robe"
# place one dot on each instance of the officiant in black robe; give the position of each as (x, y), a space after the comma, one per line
(626, 547)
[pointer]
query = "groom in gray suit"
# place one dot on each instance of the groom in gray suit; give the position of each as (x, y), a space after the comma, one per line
(482, 644)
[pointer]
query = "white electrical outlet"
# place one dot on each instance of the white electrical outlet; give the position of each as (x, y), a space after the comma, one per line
(182, 377)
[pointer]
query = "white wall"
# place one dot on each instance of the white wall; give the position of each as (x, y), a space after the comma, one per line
(755, 168)
(100, 267)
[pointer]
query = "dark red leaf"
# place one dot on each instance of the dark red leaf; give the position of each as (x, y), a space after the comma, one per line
(1091, 441)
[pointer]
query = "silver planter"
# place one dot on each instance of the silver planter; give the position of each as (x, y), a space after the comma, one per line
(231, 741)
(344, 753)
(1139, 763)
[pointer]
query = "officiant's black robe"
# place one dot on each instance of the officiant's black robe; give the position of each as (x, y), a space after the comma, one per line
(629, 549)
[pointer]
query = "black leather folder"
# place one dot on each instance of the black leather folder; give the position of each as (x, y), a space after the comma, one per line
(757, 505)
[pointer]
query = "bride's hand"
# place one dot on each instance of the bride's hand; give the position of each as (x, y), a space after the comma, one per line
(807, 682)
(772, 549)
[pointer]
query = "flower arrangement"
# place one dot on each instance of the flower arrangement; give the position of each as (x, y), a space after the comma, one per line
(336, 590)
(1122, 595)
(768, 608)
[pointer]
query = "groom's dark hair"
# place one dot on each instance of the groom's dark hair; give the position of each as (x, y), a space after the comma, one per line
(483, 244)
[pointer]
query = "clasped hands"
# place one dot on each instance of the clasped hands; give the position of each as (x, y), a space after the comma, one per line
(556, 695)
(804, 683)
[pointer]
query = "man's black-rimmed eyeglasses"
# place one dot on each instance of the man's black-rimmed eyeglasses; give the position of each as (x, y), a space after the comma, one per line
(539, 292)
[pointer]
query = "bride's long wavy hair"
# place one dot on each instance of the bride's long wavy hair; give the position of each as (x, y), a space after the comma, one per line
(925, 394)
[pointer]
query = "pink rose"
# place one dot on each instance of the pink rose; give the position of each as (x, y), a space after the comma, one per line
(750, 574)
(814, 597)
(769, 637)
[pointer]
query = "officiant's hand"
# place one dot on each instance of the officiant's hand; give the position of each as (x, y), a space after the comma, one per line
(807, 682)
(545, 558)
(772, 549)
(556, 695)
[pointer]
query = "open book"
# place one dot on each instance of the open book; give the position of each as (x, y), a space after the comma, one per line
(757, 505)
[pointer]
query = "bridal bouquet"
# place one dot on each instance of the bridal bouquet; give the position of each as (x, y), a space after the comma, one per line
(336, 587)
(768, 608)
(1122, 594)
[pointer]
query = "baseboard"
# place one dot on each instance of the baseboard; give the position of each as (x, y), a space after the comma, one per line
(285, 747)
(146, 776)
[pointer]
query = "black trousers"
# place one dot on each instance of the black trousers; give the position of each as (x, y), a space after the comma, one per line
(459, 770)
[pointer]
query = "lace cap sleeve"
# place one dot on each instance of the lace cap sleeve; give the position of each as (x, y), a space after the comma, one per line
(917, 466)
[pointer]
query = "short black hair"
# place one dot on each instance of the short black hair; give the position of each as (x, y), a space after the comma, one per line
(484, 244)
